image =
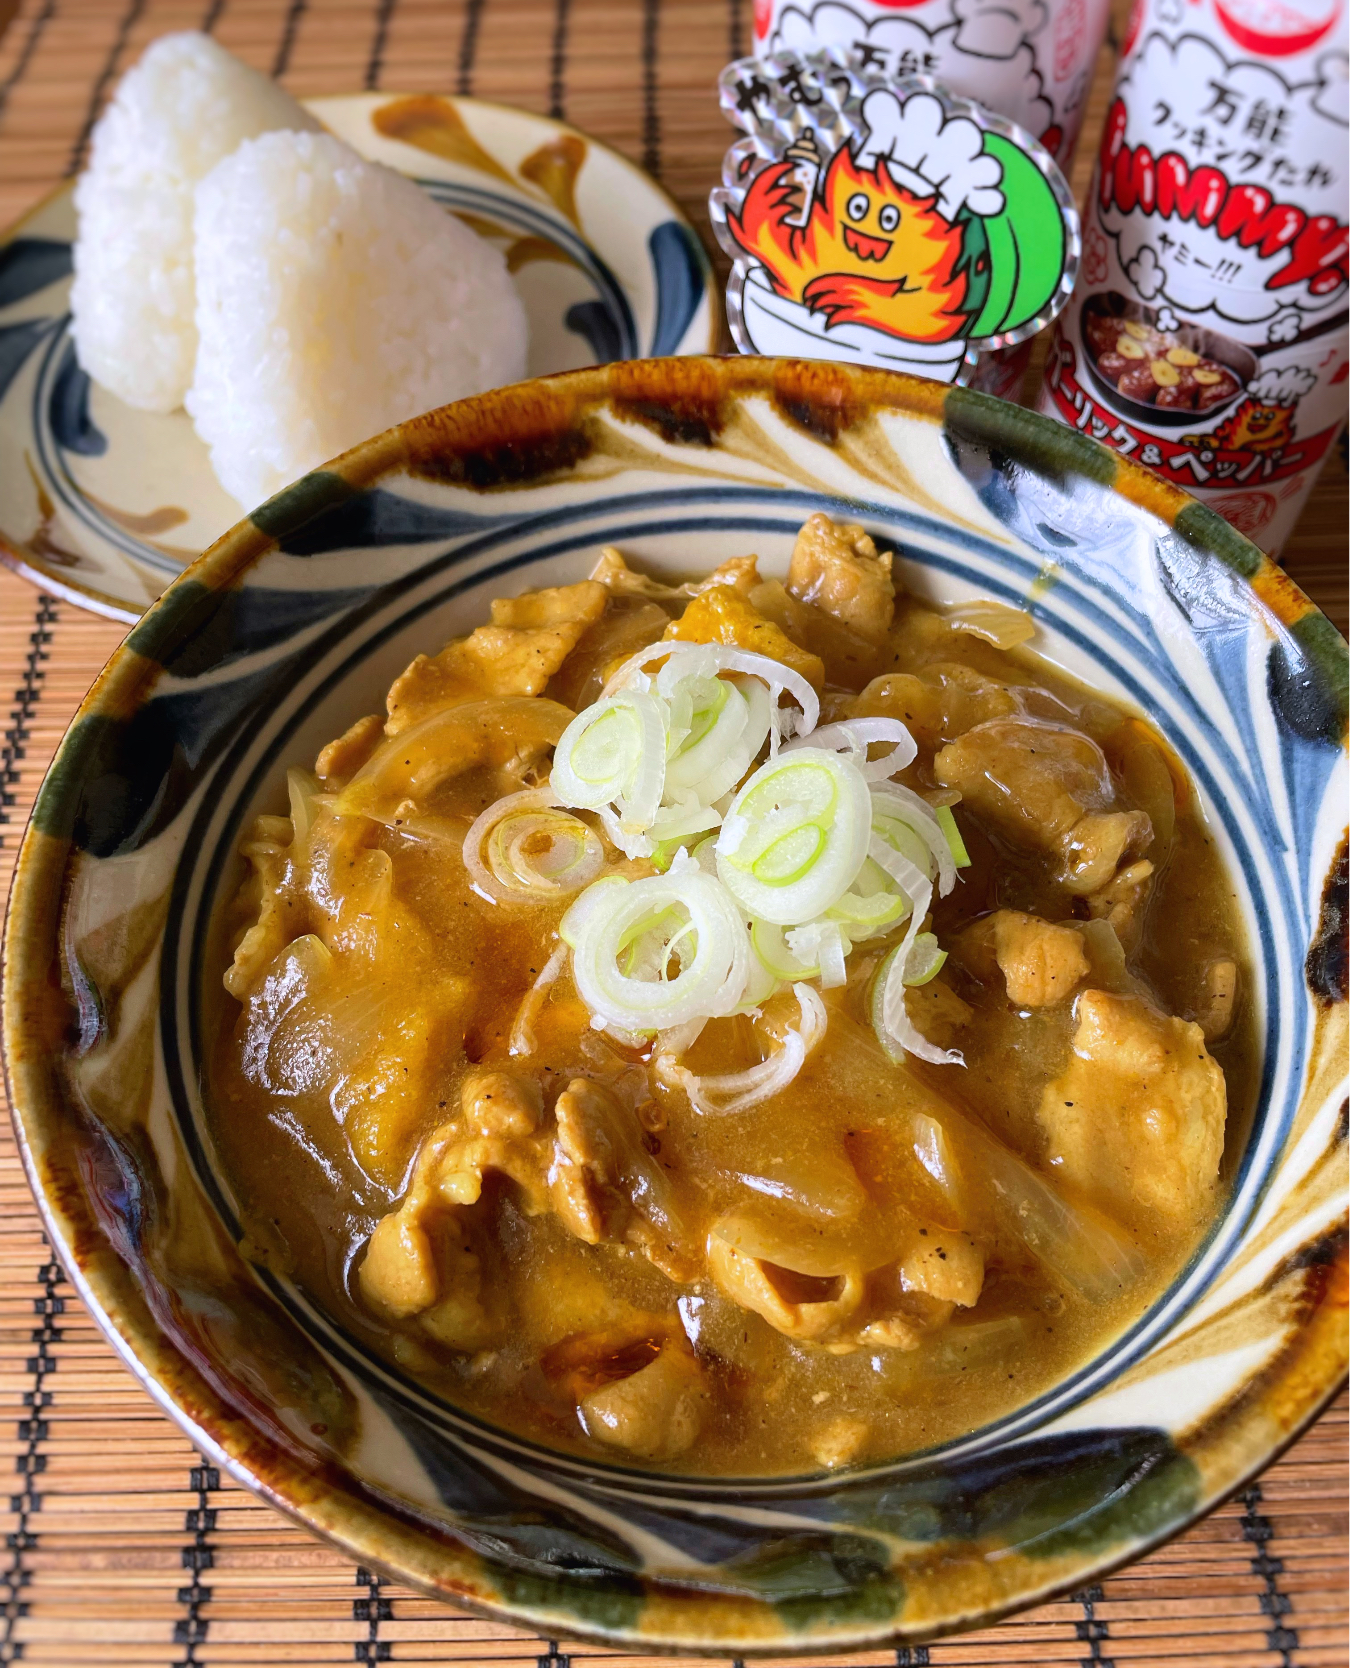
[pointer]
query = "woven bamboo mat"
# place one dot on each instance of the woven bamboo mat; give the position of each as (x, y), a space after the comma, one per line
(120, 1544)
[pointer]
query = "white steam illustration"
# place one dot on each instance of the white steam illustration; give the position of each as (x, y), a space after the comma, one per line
(1147, 273)
(1286, 386)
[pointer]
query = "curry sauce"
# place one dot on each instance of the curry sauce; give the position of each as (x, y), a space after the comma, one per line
(540, 1219)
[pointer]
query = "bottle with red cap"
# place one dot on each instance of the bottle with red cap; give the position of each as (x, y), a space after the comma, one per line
(1207, 336)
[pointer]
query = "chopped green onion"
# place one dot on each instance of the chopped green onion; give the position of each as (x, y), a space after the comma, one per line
(654, 953)
(925, 961)
(894, 805)
(739, 1091)
(771, 949)
(856, 735)
(614, 754)
(871, 905)
(795, 836)
(709, 659)
(896, 1032)
(947, 823)
(825, 943)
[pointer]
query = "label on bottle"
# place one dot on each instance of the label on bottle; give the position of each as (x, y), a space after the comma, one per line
(1029, 60)
(1207, 337)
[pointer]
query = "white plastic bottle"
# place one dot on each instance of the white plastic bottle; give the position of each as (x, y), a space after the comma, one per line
(1029, 60)
(1207, 336)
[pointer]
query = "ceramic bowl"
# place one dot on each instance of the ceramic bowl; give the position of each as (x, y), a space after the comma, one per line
(106, 505)
(287, 629)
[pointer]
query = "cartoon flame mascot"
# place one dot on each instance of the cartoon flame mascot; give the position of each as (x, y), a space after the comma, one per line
(924, 237)
(1264, 422)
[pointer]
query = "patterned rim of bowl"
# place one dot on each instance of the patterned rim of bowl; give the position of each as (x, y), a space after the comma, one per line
(1162, 600)
(104, 505)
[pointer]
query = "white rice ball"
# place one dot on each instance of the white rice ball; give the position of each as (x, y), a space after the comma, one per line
(183, 107)
(334, 299)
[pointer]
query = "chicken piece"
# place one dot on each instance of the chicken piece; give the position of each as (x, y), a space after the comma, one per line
(938, 1011)
(528, 640)
(939, 703)
(399, 1274)
(614, 573)
(578, 1173)
(1121, 900)
(404, 1274)
(460, 1318)
(627, 625)
(1097, 844)
(1033, 780)
(723, 615)
(656, 1412)
(836, 567)
(942, 1269)
(265, 899)
(943, 1264)
(418, 1265)
(341, 759)
(1219, 984)
(909, 1319)
(1041, 963)
(604, 1185)
(880, 1287)
(1048, 787)
(556, 608)
(419, 1261)
(495, 1130)
(507, 735)
(850, 659)
(1137, 1119)
(497, 1103)
(462, 1167)
(838, 1442)
(740, 572)
(807, 1307)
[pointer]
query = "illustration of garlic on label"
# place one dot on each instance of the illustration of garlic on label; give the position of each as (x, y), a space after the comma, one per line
(885, 222)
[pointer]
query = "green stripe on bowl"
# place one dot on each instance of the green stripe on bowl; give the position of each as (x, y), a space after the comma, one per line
(1208, 530)
(1039, 441)
(293, 506)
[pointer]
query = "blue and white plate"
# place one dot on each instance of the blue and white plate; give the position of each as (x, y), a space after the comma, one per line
(106, 505)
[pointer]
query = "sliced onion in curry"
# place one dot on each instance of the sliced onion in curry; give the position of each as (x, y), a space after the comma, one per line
(738, 1091)
(534, 851)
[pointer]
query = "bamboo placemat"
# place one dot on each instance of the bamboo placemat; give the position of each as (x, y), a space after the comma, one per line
(120, 1544)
